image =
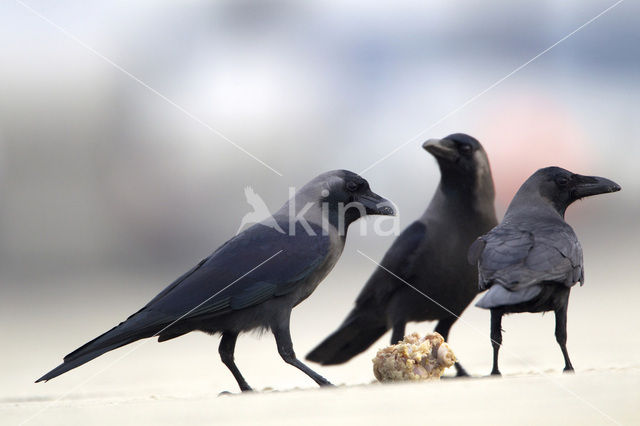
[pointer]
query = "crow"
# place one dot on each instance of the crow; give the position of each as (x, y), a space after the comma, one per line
(430, 255)
(531, 260)
(254, 280)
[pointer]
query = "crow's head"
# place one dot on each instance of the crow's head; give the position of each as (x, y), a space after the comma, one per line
(561, 187)
(463, 162)
(343, 197)
(345, 187)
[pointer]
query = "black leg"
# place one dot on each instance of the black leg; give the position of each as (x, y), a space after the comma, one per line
(226, 348)
(443, 327)
(398, 332)
(285, 349)
(496, 338)
(561, 336)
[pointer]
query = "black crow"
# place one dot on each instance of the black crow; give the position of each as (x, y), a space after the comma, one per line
(254, 280)
(532, 259)
(430, 255)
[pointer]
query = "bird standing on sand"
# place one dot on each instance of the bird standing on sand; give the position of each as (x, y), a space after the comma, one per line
(429, 255)
(254, 280)
(532, 259)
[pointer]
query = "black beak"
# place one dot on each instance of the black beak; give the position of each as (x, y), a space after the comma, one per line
(375, 204)
(586, 186)
(444, 149)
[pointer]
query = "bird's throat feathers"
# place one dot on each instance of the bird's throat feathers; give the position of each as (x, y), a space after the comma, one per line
(463, 193)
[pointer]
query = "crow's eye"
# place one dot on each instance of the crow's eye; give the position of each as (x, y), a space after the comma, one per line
(562, 181)
(465, 149)
(352, 186)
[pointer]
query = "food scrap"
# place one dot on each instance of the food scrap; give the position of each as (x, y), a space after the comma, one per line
(414, 358)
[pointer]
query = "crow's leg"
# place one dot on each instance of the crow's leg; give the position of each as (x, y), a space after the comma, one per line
(226, 348)
(443, 327)
(561, 336)
(496, 338)
(285, 349)
(398, 331)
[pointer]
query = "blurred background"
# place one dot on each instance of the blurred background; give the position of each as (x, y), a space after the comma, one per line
(112, 182)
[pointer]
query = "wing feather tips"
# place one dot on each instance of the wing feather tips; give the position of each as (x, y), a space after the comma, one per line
(498, 296)
(475, 251)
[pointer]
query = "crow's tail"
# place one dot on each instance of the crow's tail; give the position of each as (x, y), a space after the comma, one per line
(123, 334)
(358, 331)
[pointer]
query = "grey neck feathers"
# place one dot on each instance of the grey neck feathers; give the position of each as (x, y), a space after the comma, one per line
(529, 202)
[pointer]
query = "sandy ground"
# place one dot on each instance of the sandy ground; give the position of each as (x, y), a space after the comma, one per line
(178, 382)
(594, 397)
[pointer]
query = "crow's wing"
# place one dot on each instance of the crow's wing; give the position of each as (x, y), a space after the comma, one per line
(235, 277)
(521, 255)
(399, 259)
(256, 265)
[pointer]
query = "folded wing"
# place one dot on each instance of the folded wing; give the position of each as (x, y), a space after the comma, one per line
(519, 258)
(256, 265)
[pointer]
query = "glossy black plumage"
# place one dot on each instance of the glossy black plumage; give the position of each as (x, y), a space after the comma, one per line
(430, 254)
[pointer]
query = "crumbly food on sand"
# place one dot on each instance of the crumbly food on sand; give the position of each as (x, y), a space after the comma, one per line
(413, 358)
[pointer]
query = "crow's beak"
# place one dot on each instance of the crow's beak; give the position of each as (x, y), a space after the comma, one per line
(587, 186)
(375, 204)
(442, 149)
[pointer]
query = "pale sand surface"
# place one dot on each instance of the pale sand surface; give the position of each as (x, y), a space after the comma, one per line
(178, 382)
(594, 397)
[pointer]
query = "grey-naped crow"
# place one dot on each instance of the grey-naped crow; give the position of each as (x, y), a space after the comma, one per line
(285, 270)
(531, 260)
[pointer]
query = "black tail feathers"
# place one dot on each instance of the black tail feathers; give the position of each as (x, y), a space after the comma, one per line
(354, 336)
(123, 334)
